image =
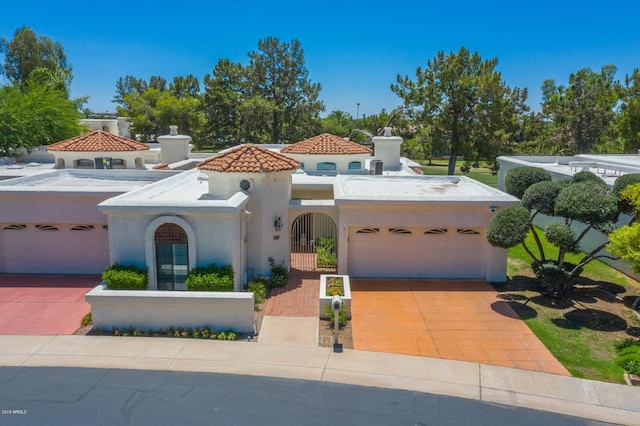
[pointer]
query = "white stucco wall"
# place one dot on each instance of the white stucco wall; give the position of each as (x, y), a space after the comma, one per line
(162, 309)
(342, 162)
(68, 158)
(215, 238)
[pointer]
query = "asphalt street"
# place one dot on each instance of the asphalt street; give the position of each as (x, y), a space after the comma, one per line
(89, 396)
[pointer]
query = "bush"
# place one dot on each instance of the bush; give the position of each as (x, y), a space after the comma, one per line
(629, 356)
(552, 281)
(588, 203)
(119, 277)
(279, 274)
(211, 278)
(509, 227)
(342, 315)
(518, 179)
(541, 196)
(259, 290)
(623, 182)
(326, 253)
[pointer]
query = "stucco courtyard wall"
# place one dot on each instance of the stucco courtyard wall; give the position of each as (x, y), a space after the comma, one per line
(162, 309)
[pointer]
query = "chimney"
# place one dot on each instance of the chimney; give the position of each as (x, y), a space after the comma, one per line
(387, 149)
(174, 147)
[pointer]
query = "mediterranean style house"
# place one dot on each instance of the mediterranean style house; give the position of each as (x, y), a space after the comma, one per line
(323, 203)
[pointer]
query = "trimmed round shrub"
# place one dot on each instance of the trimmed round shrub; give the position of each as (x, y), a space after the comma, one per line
(561, 236)
(588, 203)
(541, 196)
(587, 176)
(620, 184)
(518, 179)
(509, 227)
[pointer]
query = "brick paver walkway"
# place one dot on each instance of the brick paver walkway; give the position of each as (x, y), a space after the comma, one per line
(300, 297)
(460, 320)
(44, 304)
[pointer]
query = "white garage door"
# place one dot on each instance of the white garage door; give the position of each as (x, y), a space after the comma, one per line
(416, 253)
(53, 249)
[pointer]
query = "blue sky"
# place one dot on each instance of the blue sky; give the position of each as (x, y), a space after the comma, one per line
(354, 49)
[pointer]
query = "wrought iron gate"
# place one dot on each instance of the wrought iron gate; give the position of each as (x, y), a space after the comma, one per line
(314, 243)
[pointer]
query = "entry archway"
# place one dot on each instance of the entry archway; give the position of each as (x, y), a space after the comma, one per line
(314, 243)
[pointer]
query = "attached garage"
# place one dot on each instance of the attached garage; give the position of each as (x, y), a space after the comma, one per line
(54, 248)
(397, 252)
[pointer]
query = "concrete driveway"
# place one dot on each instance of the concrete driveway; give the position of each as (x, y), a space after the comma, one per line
(44, 304)
(460, 320)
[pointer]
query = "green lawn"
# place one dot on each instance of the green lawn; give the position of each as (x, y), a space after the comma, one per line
(580, 333)
(439, 168)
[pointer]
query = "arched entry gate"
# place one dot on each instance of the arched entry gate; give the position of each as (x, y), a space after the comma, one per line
(314, 243)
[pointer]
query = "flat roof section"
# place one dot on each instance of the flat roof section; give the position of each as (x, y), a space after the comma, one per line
(186, 191)
(419, 189)
(85, 181)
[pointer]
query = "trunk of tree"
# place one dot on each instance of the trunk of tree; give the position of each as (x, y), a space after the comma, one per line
(452, 163)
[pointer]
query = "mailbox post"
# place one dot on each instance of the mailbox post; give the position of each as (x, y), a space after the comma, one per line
(336, 305)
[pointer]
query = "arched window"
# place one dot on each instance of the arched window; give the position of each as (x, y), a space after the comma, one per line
(325, 165)
(172, 257)
(355, 165)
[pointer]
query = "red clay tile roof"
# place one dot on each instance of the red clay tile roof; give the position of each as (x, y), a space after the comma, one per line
(162, 166)
(326, 144)
(98, 140)
(249, 159)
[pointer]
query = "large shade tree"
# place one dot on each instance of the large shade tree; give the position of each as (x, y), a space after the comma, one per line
(580, 115)
(27, 52)
(583, 199)
(463, 100)
(270, 100)
(33, 115)
(153, 106)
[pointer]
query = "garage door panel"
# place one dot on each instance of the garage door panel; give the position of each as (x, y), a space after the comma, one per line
(54, 251)
(419, 254)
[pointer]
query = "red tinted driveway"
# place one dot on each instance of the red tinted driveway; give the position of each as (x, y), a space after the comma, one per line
(44, 304)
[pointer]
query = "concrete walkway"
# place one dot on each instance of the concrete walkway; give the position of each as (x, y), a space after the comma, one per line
(600, 401)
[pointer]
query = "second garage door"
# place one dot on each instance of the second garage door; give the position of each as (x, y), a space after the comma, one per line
(416, 253)
(53, 249)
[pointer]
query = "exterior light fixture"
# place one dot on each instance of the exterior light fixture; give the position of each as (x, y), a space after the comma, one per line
(278, 224)
(492, 208)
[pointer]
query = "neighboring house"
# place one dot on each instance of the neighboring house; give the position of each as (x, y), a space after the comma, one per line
(98, 150)
(608, 167)
(251, 204)
(329, 154)
(118, 126)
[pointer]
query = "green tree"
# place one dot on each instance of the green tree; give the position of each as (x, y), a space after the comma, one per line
(277, 73)
(127, 86)
(153, 107)
(464, 101)
(34, 115)
(584, 199)
(628, 120)
(338, 123)
(272, 95)
(27, 52)
(625, 240)
(223, 94)
(184, 87)
(580, 115)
